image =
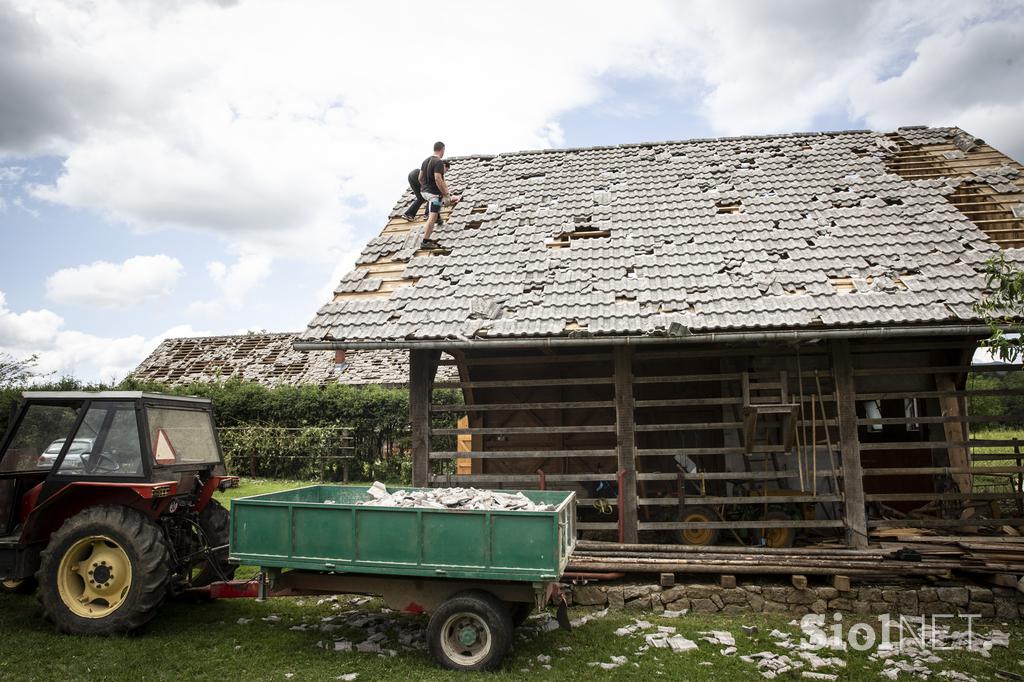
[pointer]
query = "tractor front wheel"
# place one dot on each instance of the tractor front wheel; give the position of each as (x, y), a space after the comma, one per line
(698, 536)
(775, 537)
(105, 571)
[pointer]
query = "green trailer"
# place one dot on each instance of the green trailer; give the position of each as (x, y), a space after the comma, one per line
(479, 573)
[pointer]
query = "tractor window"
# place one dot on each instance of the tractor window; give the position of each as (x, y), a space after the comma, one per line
(182, 436)
(107, 443)
(41, 434)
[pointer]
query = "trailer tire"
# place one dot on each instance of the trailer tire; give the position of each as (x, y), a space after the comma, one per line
(470, 631)
(124, 579)
(215, 521)
(23, 586)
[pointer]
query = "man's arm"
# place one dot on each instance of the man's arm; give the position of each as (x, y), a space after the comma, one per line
(441, 184)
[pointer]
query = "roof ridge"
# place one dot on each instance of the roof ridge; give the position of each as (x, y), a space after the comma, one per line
(725, 138)
(229, 336)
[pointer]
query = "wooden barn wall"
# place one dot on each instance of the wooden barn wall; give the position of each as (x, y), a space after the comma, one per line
(585, 418)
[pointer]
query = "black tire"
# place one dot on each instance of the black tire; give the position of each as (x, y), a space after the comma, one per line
(698, 513)
(24, 586)
(135, 540)
(215, 521)
(520, 611)
(775, 537)
(477, 611)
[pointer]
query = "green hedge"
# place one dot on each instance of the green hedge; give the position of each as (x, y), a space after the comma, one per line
(378, 417)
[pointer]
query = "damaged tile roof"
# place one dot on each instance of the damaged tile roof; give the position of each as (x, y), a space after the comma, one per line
(269, 359)
(818, 230)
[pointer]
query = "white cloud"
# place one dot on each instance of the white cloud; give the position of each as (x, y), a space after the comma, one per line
(178, 114)
(136, 280)
(233, 282)
(66, 352)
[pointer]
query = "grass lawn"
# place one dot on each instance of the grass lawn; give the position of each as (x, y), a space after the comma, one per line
(207, 641)
(231, 640)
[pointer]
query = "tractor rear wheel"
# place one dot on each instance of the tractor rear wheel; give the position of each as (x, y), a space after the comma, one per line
(25, 586)
(698, 536)
(215, 521)
(105, 571)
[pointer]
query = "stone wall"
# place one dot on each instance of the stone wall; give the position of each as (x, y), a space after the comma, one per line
(903, 599)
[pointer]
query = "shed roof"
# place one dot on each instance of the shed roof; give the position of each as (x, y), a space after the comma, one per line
(269, 359)
(802, 231)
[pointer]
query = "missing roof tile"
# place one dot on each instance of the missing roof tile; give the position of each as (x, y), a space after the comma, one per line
(728, 206)
(843, 285)
(565, 239)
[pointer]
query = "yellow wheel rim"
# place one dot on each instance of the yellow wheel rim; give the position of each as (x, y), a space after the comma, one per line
(697, 536)
(775, 537)
(94, 577)
(12, 584)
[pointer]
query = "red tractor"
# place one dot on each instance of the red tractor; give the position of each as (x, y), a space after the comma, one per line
(106, 505)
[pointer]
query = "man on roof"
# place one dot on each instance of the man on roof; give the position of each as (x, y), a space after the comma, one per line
(435, 190)
(415, 181)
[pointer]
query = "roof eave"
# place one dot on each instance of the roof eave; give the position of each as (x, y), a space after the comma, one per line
(750, 336)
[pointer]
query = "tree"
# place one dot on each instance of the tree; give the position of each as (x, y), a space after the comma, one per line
(1003, 308)
(16, 372)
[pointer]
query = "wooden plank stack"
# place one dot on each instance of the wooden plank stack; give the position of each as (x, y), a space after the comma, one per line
(909, 555)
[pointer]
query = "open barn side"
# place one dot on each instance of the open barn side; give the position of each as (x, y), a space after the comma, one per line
(813, 439)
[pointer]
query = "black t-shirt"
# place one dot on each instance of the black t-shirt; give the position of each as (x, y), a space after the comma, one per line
(414, 180)
(431, 165)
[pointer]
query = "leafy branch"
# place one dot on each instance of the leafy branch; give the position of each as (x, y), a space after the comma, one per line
(1003, 308)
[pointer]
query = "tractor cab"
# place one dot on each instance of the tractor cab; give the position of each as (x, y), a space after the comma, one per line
(67, 453)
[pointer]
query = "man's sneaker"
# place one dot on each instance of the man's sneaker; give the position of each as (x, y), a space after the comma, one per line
(429, 244)
(408, 217)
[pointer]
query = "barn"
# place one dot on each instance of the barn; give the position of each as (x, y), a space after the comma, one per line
(753, 339)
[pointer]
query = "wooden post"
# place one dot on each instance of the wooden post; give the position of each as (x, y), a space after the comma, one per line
(849, 446)
(955, 432)
(625, 442)
(422, 367)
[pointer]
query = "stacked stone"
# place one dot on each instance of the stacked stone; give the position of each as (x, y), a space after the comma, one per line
(1001, 603)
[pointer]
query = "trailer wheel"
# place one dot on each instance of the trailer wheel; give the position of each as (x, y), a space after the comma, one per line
(775, 537)
(698, 536)
(215, 521)
(105, 571)
(25, 586)
(470, 631)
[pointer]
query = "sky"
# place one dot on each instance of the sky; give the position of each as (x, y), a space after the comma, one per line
(178, 167)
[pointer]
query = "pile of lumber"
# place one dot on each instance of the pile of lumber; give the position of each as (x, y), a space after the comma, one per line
(973, 553)
(922, 556)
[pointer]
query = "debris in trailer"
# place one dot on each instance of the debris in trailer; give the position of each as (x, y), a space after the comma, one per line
(452, 498)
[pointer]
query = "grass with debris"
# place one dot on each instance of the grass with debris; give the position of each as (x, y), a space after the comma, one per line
(282, 640)
(293, 639)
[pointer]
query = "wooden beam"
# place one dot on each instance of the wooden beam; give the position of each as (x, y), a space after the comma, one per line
(422, 367)
(625, 440)
(951, 407)
(849, 442)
